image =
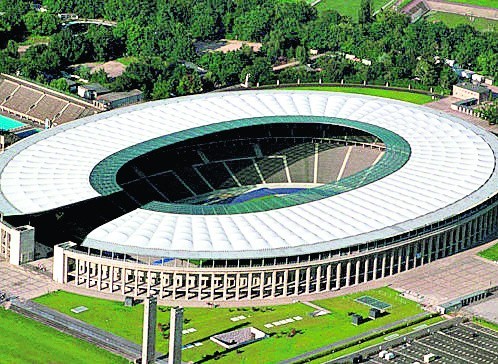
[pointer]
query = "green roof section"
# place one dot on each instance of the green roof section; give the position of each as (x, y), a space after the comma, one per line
(397, 153)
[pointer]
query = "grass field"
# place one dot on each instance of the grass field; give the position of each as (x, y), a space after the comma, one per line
(126, 61)
(453, 20)
(27, 341)
(490, 253)
(390, 94)
(349, 8)
(485, 3)
(312, 332)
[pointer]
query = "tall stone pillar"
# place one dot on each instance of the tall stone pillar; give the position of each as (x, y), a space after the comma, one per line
(357, 272)
(149, 331)
(348, 273)
(375, 267)
(367, 267)
(338, 276)
(175, 336)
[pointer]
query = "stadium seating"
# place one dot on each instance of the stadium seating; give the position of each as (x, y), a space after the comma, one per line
(23, 99)
(36, 103)
(359, 159)
(195, 168)
(6, 89)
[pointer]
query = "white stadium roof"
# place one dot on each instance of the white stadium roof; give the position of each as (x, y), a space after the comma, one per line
(451, 169)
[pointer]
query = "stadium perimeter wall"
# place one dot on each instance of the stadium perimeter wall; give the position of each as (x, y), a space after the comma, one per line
(272, 279)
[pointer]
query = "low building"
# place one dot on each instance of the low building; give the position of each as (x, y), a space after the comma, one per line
(92, 91)
(114, 100)
(467, 90)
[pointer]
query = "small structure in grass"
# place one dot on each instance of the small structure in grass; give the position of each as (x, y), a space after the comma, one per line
(356, 319)
(374, 313)
(234, 339)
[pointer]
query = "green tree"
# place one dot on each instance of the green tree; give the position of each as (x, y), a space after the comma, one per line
(489, 112)
(39, 23)
(190, 83)
(487, 63)
(426, 70)
(447, 78)
(40, 61)
(365, 12)
(60, 84)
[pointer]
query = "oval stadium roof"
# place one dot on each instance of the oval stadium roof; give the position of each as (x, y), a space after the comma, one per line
(451, 169)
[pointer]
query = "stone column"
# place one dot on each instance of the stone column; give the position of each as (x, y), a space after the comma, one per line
(149, 331)
(308, 280)
(383, 266)
(329, 277)
(338, 276)
(374, 276)
(175, 336)
(237, 286)
(273, 283)
(348, 273)
(286, 282)
(262, 286)
(296, 282)
(367, 267)
(391, 266)
(357, 272)
(318, 278)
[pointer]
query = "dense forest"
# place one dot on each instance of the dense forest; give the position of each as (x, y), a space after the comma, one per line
(159, 36)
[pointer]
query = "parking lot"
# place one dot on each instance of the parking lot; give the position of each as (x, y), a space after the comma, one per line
(461, 344)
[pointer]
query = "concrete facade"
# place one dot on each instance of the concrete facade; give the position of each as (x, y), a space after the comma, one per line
(17, 244)
(280, 277)
(467, 90)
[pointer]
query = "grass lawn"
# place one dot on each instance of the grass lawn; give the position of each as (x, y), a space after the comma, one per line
(27, 341)
(418, 99)
(490, 253)
(126, 61)
(486, 3)
(376, 341)
(453, 20)
(36, 39)
(312, 332)
(349, 8)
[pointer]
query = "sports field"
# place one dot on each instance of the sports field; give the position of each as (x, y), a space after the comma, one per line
(490, 253)
(414, 98)
(27, 341)
(310, 332)
(349, 8)
(453, 20)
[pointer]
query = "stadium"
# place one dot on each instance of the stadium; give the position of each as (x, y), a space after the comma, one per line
(253, 195)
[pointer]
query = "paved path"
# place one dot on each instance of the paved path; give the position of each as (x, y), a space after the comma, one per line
(316, 307)
(80, 330)
(25, 282)
(353, 338)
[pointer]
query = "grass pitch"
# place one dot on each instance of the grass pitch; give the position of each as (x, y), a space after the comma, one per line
(27, 341)
(311, 332)
(349, 8)
(414, 98)
(490, 253)
(453, 20)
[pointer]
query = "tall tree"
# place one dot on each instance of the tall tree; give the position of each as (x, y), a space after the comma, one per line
(365, 12)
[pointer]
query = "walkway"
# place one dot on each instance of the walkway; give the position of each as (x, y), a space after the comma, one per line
(353, 338)
(80, 330)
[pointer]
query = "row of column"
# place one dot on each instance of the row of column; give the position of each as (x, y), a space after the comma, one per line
(140, 280)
